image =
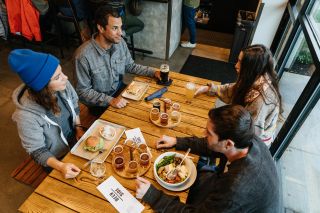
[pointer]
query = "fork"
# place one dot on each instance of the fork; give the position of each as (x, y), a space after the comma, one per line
(94, 158)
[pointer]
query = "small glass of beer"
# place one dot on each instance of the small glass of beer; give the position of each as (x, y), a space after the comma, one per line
(190, 90)
(155, 114)
(164, 73)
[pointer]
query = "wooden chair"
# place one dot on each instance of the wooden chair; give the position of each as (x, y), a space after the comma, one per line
(59, 18)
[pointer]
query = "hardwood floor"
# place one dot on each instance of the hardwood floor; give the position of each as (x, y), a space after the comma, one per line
(210, 44)
(212, 52)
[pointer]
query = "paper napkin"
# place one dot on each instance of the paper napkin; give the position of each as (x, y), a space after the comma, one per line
(119, 197)
(137, 137)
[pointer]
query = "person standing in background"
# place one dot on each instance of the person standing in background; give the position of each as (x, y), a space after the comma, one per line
(188, 13)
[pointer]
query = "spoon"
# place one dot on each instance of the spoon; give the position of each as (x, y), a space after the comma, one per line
(173, 172)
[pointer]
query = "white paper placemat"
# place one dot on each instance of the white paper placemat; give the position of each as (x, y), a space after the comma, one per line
(119, 197)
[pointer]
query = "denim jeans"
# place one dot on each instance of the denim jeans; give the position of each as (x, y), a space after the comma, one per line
(188, 21)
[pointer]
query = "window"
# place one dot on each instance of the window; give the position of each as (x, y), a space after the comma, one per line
(314, 17)
(299, 168)
(298, 69)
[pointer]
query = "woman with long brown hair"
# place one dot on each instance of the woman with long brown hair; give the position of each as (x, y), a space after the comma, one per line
(256, 89)
(47, 112)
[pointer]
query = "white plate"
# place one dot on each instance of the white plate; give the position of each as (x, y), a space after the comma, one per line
(112, 129)
(184, 186)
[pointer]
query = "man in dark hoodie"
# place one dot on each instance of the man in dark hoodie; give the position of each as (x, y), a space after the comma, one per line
(248, 181)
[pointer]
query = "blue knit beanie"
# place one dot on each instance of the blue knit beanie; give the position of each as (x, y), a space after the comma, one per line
(35, 69)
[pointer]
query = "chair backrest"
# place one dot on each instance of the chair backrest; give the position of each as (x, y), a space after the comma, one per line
(135, 7)
(67, 4)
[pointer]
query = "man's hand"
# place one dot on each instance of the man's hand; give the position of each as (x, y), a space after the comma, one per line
(118, 102)
(157, 74)
(69, 170)
(142, 186)
(166, 142)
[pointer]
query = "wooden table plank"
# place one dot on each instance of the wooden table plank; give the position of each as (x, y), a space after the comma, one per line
(72, 197)
(38, 203)
(177, 86)
(180, 98)
(185, 78)
(86, 182)
(185, 108)
(132, 123)
(144, 116)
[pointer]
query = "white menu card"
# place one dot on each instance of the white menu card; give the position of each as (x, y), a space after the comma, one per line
(119, 197)
(137, 137)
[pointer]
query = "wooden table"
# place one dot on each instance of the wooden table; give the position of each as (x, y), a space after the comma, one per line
(57, 194)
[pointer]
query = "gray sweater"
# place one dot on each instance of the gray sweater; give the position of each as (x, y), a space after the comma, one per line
(251, 184)
(41, 136)
(99, 71)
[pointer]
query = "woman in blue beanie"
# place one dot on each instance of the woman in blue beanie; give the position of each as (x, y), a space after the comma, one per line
(47, 112)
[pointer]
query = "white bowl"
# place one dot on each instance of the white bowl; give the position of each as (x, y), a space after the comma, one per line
(187, 162)
(108, 132)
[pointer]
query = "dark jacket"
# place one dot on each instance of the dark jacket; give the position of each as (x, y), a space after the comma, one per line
(251, 184)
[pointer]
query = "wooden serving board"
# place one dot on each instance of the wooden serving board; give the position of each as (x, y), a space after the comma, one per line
(170, 124)
(143, 89)
(136, 156)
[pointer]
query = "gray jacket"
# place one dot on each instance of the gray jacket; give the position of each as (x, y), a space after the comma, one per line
(99, 71)
(41, 136)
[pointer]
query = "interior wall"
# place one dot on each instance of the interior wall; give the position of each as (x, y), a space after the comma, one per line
(269, 21)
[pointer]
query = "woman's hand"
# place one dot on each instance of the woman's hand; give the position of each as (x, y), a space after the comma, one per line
(69, 170)
(202, 89)
(166, 142)
(142, 186)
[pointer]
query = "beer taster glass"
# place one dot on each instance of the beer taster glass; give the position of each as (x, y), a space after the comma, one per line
(164, 73)
(190, 90)
(97, 169)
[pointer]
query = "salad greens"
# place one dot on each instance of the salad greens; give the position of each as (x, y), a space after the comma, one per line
(166, 160)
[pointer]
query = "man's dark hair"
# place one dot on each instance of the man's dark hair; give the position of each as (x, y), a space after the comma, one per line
(103, 13)
(233, 122)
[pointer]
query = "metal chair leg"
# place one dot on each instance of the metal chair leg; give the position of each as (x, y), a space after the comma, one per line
(132, 47)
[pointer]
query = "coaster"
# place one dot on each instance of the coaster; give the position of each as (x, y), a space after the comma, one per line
(165, 84)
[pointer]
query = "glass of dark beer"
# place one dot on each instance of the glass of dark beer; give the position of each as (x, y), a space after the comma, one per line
(164, 73)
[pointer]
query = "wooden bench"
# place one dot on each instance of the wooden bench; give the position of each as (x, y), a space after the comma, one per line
(29, 172)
